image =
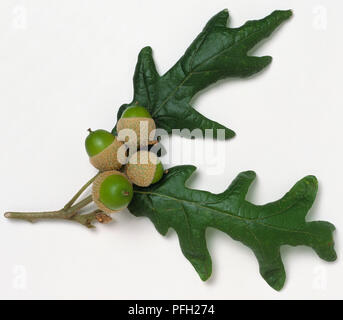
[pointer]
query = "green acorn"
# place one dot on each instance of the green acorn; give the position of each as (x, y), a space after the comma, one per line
(144, 168)
(112, 191)
(138, 119)
(103, 150)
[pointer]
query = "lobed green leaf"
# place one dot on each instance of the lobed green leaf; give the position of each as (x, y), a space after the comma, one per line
(218, 52)
(263, 228)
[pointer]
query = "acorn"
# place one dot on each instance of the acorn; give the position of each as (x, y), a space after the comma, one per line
(112, 191)
(144, 168)
(104, 150)
(139, 120)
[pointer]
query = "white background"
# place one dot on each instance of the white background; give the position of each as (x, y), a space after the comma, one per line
(68, 65)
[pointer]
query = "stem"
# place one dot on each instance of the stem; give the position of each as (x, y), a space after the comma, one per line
(87, 219)
(69, 212)
(58, 214)
(78, 194)
(32, 216)
(74, 209)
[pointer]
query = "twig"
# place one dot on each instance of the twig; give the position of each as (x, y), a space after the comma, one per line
(70, 211)
(78, 194)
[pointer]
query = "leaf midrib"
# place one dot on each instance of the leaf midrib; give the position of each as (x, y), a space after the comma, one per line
(191, 72)
(246, 220)
(257, 220)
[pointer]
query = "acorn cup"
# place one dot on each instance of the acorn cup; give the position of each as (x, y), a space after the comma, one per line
(112, 191)
(144, 168)
(138, 124)
(105, 151)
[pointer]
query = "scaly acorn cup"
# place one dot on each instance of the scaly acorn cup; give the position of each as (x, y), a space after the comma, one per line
(139, 120)
(144, 168)
(112, 191)
(104, 151)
